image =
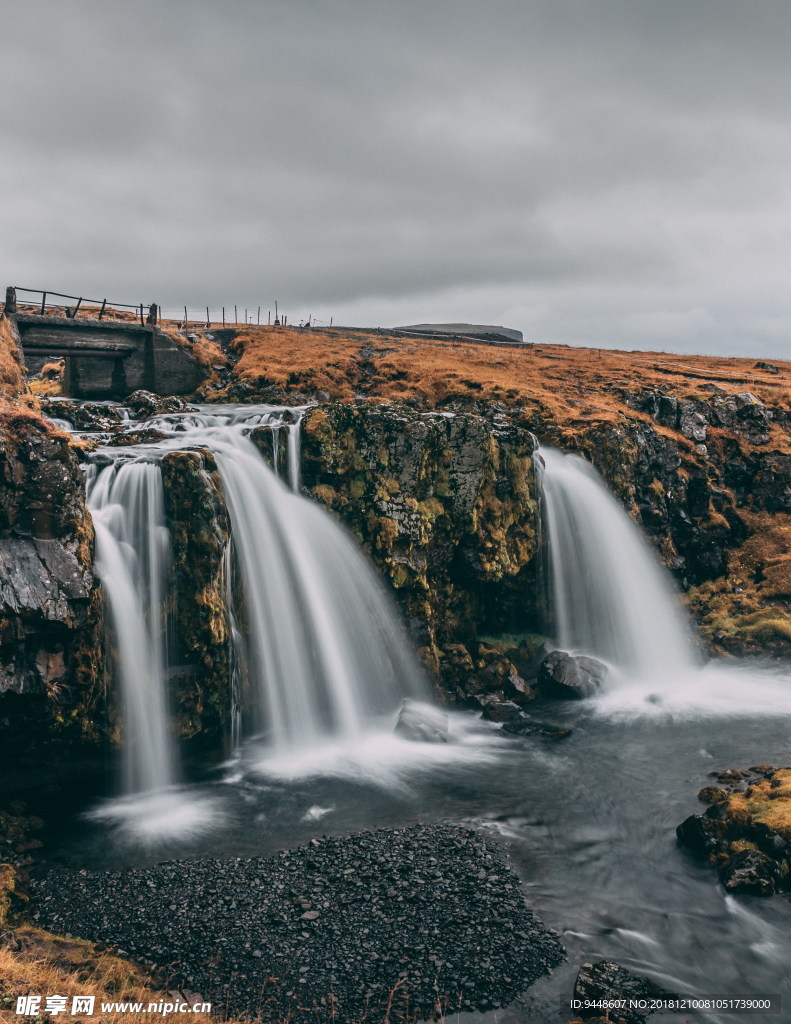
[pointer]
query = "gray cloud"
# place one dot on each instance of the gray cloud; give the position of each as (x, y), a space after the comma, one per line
(600, 172)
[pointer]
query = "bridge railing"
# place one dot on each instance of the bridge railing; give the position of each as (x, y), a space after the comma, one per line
(36, 300)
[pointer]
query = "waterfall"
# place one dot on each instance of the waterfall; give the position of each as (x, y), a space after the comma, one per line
(611, 597)
(319, 654)
(132, 560)
(324, 653)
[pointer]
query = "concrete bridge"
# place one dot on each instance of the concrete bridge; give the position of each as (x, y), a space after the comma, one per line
(105, 358)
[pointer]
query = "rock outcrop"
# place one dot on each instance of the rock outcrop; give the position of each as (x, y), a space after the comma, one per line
(746, 830)
(50, 655)
(445, 504)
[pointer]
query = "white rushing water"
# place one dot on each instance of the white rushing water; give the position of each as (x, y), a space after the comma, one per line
(133, 562)
(318, 656)
(611, 596)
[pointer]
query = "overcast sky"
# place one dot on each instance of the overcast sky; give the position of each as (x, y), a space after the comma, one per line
(601, 172)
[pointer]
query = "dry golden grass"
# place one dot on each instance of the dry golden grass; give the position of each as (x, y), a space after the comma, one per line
(565, 385)
(51, 965)
(12, 383)
(298, 358)
(46, 387)
(208, 352)
(768, 801)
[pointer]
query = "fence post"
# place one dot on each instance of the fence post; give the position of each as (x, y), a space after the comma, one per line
(235, 315)
(101, 311)
(208, 321)
(153, 314)
(223, 316)
(43, 302)
(259, 315)
(10, 299)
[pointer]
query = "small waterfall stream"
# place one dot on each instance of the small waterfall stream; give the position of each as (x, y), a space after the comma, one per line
(321, 655)
(611, 596)
(132, 560)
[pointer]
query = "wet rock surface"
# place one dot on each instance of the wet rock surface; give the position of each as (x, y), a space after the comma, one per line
(607, 981)
(48, 597)
(445, 503)
(421, 723)
(746, 831)
(566, 677)
(430, 917)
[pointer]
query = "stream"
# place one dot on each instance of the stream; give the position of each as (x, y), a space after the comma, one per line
(589, 823)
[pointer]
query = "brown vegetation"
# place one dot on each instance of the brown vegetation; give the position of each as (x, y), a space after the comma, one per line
(767, 801)
(565, 385)
(751, 601)
(12, 383)
(43, 964)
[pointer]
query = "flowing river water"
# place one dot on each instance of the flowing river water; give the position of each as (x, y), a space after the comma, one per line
(589, 822)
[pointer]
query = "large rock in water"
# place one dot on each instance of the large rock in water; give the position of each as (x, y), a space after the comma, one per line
(421, 723)
(568, 677)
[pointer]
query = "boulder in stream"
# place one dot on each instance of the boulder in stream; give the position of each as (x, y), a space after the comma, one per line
(421, 723)
(569, 677)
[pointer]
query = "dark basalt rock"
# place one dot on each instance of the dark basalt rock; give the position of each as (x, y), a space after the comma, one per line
(750, 856)
(502, 711)
(607, 980)
(88, 416)
(445, 504)
(49, 612)
(700, 834)
(566, 677)
(526, 725)
(749, 871)
(146, 403)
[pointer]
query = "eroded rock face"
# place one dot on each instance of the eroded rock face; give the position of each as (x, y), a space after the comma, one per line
(445, 504)
(49, 607)
(199, 530)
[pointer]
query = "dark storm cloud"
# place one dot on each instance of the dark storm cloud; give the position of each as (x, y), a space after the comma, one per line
(593, 171)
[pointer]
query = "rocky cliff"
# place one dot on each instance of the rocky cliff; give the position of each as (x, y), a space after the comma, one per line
(424, 451)
(50, 611)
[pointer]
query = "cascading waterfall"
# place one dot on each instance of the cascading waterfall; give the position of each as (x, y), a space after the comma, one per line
(321, 655)
(610, 595)
(324, 654)
(132, 560)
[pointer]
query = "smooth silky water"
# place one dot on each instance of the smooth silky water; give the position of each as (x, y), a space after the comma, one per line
(588, 821)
